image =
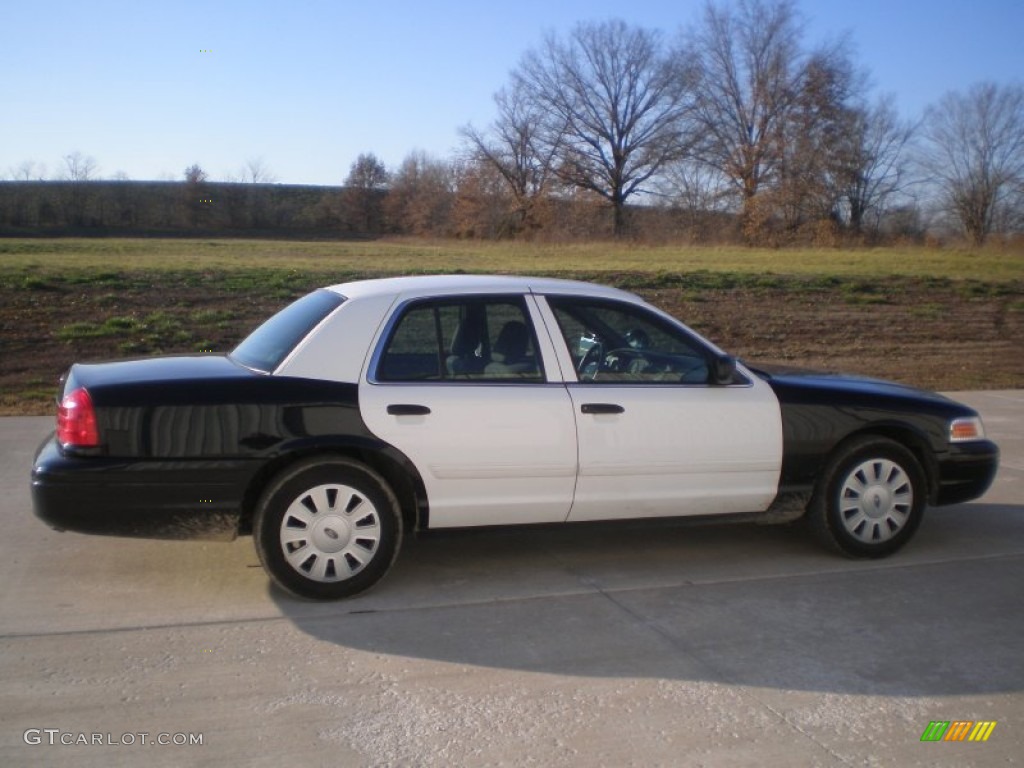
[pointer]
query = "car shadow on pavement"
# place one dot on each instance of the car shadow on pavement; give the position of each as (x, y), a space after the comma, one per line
(735, 604)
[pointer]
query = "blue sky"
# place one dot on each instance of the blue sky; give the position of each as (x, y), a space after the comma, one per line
(307, 85)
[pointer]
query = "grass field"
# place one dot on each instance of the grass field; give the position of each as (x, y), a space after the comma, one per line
(943, 319)
(408, 256)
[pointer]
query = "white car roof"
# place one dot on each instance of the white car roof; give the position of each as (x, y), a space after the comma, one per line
(431, 285)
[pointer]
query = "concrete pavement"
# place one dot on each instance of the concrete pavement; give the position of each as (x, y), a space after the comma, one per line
(713, 645)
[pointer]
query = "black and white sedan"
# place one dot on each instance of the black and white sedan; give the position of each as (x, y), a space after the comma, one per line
(369, 410)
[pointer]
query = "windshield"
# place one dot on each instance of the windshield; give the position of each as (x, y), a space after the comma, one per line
(266, 348)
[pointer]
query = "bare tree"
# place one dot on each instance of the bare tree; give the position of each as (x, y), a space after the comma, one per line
(871, 164)
(747, 68)
(484, 206)
(975, 155)
(363, 195)
(256, 171)
(811, 135)
(194, 174)
(28, 170)
(197, 201)
(367, 172)
(515, 149)
(771, 113)
(79, 167)
(421, 195)
(613, 102)
(76, 197)
(699, 195)
(248, 206)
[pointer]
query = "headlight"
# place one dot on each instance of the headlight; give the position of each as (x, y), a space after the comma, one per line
(966, 429)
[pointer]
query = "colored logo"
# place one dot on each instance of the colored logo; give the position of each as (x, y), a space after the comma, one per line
(958, 730)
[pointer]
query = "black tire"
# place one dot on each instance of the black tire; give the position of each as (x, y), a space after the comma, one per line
(870, 498)
(327, 528)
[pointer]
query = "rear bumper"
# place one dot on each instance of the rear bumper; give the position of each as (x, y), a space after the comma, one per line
(148, 499)
(966, 472)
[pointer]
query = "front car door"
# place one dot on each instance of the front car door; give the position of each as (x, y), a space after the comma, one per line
(470, 392)
(656, 437)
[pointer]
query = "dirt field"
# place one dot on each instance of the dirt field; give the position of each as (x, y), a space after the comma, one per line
(937, 338)
(939, 334)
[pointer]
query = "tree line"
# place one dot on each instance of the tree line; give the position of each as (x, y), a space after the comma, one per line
(736, 130)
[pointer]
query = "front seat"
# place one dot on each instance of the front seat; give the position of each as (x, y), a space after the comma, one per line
(464, 354)
(509, 353)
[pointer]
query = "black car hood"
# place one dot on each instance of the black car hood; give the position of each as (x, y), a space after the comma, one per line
(782, 376)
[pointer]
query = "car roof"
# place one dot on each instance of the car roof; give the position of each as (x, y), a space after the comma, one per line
(437, 285)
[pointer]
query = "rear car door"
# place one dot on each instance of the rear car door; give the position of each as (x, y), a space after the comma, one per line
(656, 437)
(461, 386)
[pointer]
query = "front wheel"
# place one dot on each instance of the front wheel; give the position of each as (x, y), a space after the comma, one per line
(870, 499)
(327, 528)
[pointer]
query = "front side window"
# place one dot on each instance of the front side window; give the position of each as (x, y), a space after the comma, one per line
(462, 340)
(619, 343)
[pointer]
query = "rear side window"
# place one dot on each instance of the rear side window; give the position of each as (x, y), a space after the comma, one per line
(266, 348)
(462, 340)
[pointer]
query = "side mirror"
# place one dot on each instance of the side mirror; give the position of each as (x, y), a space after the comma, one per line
(723, 368)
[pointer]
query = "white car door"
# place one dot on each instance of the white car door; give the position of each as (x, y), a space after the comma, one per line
(461, 386)
(655, 437)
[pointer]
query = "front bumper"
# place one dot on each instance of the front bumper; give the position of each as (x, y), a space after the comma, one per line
(147, 499)
(966, 472)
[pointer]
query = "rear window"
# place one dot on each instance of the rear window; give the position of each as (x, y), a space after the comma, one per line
(266, 348)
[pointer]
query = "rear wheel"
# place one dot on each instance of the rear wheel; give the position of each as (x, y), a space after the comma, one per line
(870, 499)
(327, 528)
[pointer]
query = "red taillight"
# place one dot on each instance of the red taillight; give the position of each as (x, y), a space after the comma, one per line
(76, 421)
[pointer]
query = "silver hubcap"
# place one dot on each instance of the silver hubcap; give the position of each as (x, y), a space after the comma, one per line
(330, 532)
(875, 500)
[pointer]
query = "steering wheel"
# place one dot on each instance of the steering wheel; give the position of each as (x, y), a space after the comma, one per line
(622, 359)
